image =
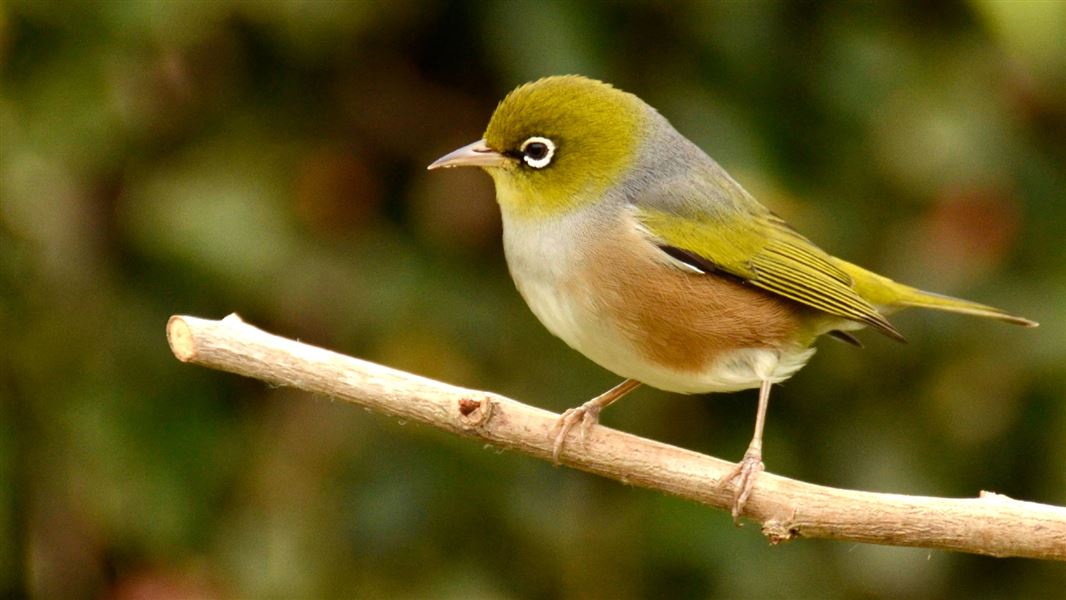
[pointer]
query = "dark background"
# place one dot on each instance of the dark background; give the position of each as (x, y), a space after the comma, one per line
(268, 158)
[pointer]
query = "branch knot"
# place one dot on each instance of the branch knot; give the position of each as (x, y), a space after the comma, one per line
(474, 413)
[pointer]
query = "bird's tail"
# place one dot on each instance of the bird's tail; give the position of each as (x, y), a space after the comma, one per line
(922, 299)
(883, 292)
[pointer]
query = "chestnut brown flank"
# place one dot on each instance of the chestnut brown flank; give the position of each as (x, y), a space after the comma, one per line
(682, 319)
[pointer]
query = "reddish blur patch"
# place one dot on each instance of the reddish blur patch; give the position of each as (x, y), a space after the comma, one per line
(159, 584)
(970, 229)
(336, 191)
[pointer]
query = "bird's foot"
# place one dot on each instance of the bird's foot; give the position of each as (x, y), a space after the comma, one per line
(743, 477)
(587, 415)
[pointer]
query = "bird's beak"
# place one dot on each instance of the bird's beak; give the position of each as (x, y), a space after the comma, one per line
(477, 154)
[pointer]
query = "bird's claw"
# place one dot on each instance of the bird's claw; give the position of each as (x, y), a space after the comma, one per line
(744, 475)
(586, 415)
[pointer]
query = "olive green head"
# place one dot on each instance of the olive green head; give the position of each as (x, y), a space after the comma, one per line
(556, 143)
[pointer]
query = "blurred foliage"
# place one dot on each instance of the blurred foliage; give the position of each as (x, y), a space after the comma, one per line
(267, 157)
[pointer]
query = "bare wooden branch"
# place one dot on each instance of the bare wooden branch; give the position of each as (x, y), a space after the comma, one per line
(787, 509)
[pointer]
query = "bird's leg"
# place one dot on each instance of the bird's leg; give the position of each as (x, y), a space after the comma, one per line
(749, 467)
(588, 414)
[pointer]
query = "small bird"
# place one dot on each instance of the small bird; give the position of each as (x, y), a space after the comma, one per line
(639, 251)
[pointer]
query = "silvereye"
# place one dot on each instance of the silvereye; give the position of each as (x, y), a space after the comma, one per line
(639, 251)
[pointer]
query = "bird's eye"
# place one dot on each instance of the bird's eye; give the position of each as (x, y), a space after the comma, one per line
(537, 152)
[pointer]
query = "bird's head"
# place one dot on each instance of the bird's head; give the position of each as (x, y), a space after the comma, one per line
(555, 144)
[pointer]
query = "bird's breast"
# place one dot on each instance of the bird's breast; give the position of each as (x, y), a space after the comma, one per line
(595, 281)
(544, 260)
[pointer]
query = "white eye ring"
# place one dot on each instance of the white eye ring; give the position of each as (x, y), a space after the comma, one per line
(542, 161)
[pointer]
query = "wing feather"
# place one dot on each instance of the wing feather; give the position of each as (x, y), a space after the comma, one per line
(764, 251)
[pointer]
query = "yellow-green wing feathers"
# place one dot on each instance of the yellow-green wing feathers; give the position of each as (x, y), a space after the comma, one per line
(805, 275)
(766, 252)
(763, 250)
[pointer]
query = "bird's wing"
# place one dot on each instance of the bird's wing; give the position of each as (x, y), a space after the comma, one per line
(748, 241)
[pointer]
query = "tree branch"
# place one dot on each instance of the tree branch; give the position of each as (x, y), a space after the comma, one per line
(990, 524)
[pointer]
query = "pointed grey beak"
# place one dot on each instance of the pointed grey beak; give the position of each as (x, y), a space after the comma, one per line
(477, 154)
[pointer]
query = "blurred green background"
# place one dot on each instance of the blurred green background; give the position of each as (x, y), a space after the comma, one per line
(268, 158)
